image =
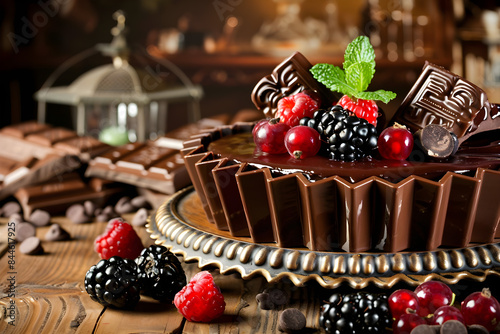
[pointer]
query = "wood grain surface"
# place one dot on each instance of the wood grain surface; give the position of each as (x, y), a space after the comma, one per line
(48, 294)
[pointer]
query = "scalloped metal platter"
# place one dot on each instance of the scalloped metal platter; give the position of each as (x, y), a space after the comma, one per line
(175, 226)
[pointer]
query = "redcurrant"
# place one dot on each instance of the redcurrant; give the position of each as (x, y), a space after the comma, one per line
(445, 313)
(302, 141)
(270, 136)
(481, 308)
(406, 322)
(432, 295)
(403, 301)
(395, 143)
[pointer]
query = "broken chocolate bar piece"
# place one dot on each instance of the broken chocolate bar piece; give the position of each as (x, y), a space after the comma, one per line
(436, 141)
(444, 98)
(290, 77)
(33, 153)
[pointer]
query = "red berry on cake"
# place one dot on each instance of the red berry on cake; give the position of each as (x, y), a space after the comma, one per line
(446, 313)
(366, 109)
(395, 143)
(294, 107)
(406, 323)
(353, 79)
(432, 295)
(302, 142)
(403, 301)
(119, 239)
(269, 136)
(481, 308)
(200, 300)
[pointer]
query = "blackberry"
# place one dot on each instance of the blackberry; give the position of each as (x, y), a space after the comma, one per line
(113, 282)
(348, 137)
(359, 312)
(160, 273)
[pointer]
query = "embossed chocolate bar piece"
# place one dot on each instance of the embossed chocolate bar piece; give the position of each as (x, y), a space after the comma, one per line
(290, 77)
(142, 164)
(442, 97)
(57, 194)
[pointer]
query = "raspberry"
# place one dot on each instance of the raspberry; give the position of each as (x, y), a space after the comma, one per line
(119, 239)
(366, 109)
(200, 300)
(292, 108)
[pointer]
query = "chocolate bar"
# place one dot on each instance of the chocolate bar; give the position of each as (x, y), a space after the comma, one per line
(33, 152)
(442, 97)
(290, 77)
(154, 165)
(58, 193)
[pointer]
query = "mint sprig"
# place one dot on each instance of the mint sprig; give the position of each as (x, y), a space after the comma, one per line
(354, 79)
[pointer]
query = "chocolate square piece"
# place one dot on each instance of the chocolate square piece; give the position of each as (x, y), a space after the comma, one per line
(442, 97)
(290, 77)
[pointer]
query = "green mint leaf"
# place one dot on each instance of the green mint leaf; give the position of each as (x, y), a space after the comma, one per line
(358, 51)
(380, 95)
(359, 75)
(333, 78)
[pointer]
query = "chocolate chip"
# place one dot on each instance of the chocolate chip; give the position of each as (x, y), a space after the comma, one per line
(124, 205)
(110, 211)
(140, 202)
(277, 296)
(291, 321)
(10, 208)
(16, 218)
(424, 329)
(76, 214)
(31, 246)
(453, 327)
(477, 329)
(140, 218)
(24, 231)
(40, 218)
(263, 301)
(89, 207)
(56, 233)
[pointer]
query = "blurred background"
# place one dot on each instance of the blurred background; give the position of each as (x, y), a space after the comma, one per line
(225, 47)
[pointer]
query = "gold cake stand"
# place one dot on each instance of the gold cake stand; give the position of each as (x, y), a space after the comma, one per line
(180, 224)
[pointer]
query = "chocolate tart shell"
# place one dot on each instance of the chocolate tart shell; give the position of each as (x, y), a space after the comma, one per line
(180, 225)
(334, 214)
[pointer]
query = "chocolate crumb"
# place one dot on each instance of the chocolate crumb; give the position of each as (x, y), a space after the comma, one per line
(291, 321)
(124, 205)
(140, 218)
(277, 296)
(24, 231)
(76, 214)
(89, 207)
(57, 233)
(453, 327)
(425, 329)
(40, 218)
(31, 246)
(264, 302)
(10, 208)
(477, 329)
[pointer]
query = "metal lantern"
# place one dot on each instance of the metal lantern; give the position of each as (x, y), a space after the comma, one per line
(119, 102)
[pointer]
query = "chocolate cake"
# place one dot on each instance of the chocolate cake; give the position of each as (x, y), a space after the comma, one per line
(373, 204)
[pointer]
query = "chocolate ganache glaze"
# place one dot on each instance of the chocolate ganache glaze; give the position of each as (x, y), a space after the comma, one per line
(240, 148)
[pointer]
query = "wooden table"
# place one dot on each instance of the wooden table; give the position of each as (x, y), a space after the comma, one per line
(48, 295)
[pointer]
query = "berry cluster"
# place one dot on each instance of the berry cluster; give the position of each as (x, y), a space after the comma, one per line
(119, 281)
(432, 304)
(284, 134)
(359, 312)
(349, 137)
